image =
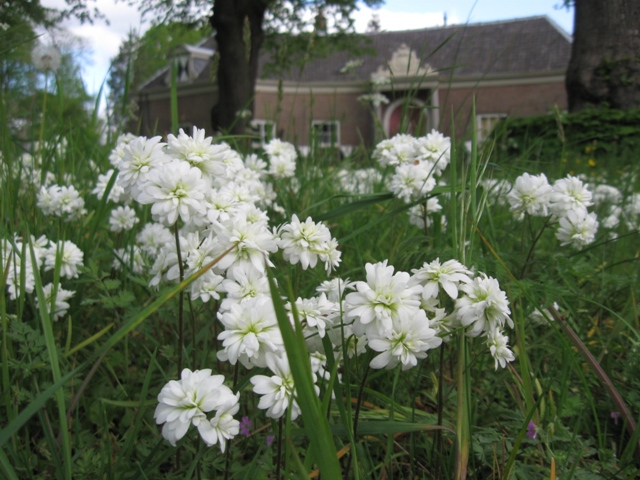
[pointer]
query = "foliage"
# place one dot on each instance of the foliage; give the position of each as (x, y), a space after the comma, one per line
(588, 134)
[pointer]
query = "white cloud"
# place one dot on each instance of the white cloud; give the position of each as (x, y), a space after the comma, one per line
(102, 40)
(392, 21)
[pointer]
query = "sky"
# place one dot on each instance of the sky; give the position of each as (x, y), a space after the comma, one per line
(103, 41)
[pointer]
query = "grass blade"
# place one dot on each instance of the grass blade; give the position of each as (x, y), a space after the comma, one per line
(322, 440)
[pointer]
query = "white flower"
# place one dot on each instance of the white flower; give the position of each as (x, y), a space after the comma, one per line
(382, 298)
(413, 181)
(251, 331)
(199, 152)
(175, 190)
(60, 305)
(401, 149)
(117, 154)
(496, 189)
(61, 201)
(282, 167)
(123, 258)
(122, 219)
(483, 307)
(317, 314)
(606, 194)
(153, 237)
(335, 288)
(569, 194)
(187, 401)
(542, 317)
(70, 203)
(70, 258)
(435, 148)
(141, 157)
(116, 192)
(376, 99)
(243, 283)
(450, 275)
(45, 57)
(419, 215)
(256, 164)
(359, 181)
(223, 426)
(206, 287)
(530, 194)
(304, 242)
(282, 158)
(499, 348)
(612, 220)
(406, 343)
(252, 243)
(577, 228)
(14, 276)
(278, 391)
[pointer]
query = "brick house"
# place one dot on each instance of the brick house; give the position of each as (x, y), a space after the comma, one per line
(511, 68)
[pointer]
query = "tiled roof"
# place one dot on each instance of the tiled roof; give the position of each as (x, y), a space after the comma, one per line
(512, 47)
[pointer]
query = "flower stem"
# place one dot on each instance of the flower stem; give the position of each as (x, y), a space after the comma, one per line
(180, 300)
(533, 244)
(357, 412)
(462, 421)
(44, 111)
(279, 454)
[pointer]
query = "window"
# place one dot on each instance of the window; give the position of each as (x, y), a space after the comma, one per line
(486, 122)
(263, 130)
(326, 132)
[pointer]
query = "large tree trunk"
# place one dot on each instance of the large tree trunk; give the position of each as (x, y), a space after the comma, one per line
(238, 66)
(604, 69)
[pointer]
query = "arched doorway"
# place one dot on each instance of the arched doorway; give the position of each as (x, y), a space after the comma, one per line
(412, 109)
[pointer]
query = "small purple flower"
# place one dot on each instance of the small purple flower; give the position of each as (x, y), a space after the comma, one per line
(615, 416)
(270, 439)
(532, 431)
(245, 426)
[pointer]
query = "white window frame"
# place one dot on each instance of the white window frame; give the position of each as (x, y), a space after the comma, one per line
(259, 125)
(320, 136)
(480, 133)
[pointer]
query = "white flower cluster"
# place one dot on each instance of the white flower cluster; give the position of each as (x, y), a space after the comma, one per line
(16, 261)
(400, 315)
(305, 242)
(188, 401)
(282, 158)
(61, 201)
(619, 210)
(359, 181)
(567, 200)
(375, 99)
(418, 162)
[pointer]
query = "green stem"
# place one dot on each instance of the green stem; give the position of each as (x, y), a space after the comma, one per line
(462, 423)
(279, 454)
(44, 111)
(357, 412)
(180, 300)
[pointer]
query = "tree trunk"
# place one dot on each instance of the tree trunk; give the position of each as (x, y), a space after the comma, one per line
(238, 66)
(604, 70)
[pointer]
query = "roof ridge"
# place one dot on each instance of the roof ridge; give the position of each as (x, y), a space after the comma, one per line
(466, 25)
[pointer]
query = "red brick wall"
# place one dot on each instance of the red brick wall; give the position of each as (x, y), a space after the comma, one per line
(516, 101)
(155, 115)
(293, 114)
(293, 119)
